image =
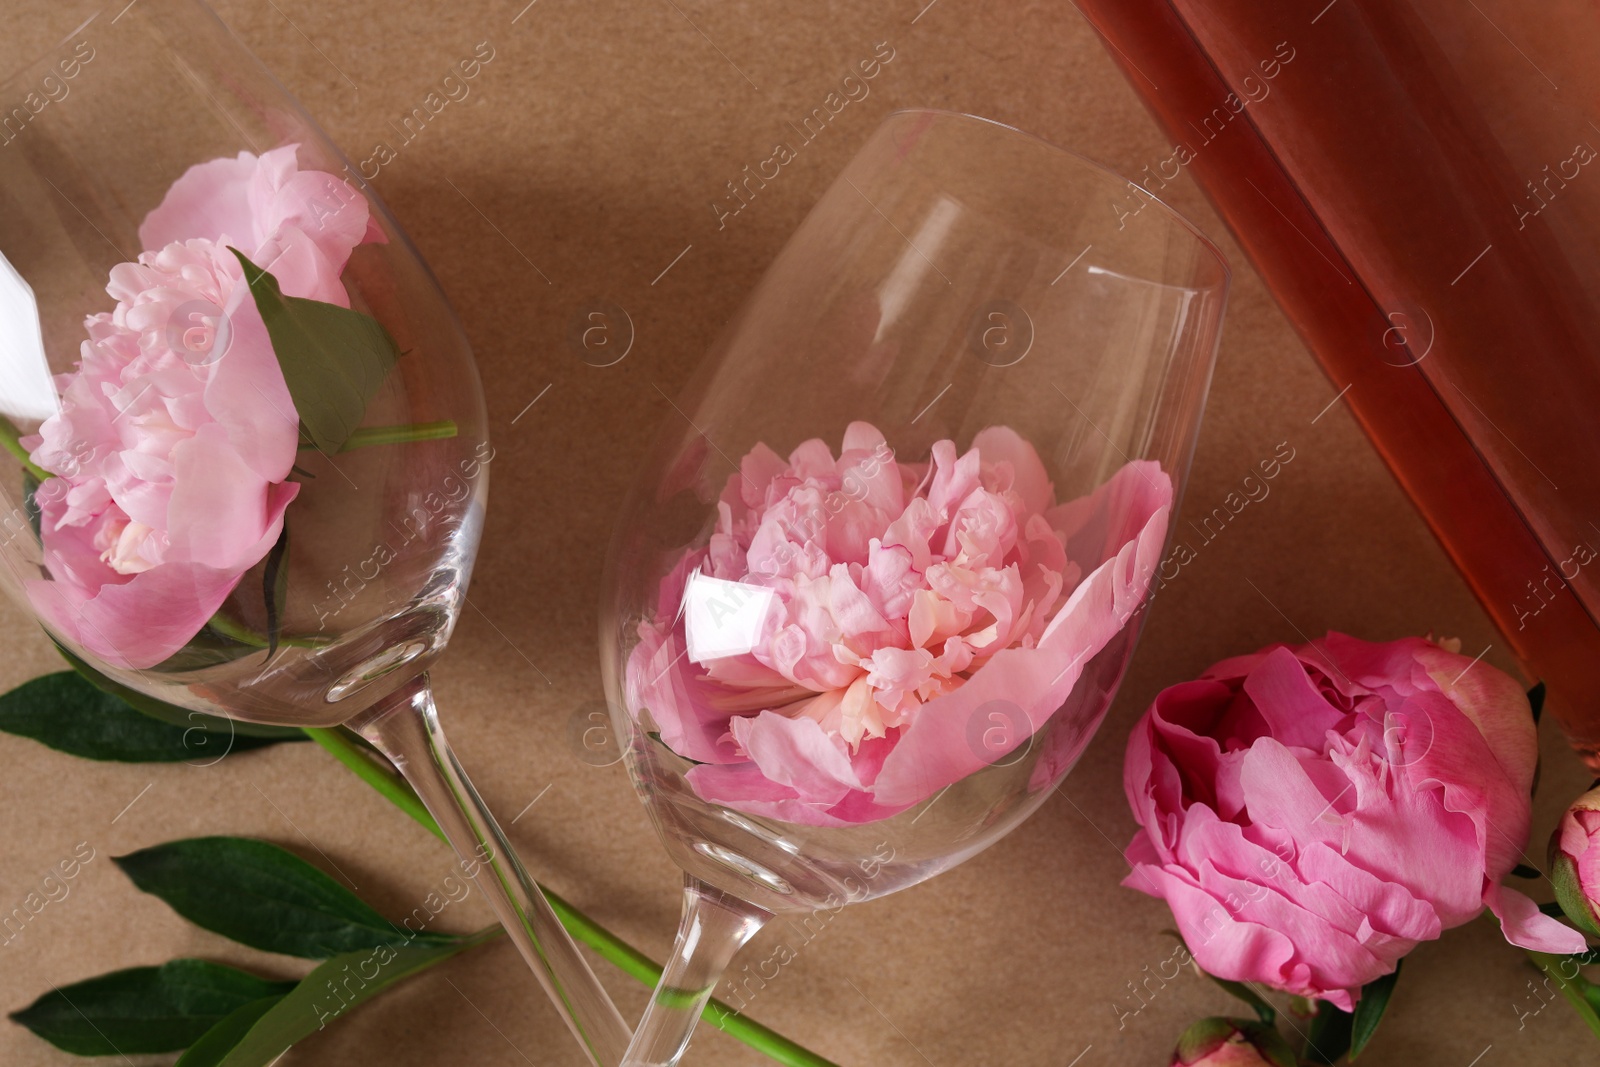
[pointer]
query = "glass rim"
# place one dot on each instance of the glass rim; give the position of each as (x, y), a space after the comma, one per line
(966, 117)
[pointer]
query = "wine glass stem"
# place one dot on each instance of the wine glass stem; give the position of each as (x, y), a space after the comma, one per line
(713, 929)
(405, 728)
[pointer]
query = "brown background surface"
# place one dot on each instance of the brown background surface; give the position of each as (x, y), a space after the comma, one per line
(592, 146)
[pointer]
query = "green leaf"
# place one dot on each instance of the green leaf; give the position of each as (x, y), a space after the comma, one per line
(275, 588)
(66, 712)
(217, 1042)
(1330, 1034)
(263, 896)
(143, 1009)
(1370, 1008)
(331, 991)
(1264, 1011)
(172, 713)
(333, 359)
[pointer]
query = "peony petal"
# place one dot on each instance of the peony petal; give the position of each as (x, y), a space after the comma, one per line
(1295, 712)
(1223, 945)
(661, 684)
(1454, 762)
(139, 623)
(222, 514)
(936, 750)
(798, 754)
(1495, 703)
(207, 201)
(302, 267)
(953, 479)
(1389, 906)
(868, 472)
(248, 398)
(1095, 526)
(744, 788)
(1525, 926)
(1334, 955)
(1181, 720)
(1002, 444)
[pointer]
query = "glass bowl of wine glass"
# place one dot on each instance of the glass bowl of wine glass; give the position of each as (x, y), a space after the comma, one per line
(247, 447)
(883, 570)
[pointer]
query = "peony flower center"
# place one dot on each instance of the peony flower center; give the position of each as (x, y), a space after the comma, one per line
(128, 546)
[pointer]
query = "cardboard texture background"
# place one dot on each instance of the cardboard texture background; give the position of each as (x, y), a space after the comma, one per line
(592, 146)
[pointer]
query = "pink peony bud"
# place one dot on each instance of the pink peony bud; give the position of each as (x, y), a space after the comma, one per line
(1575, 862)
(1218, 1042)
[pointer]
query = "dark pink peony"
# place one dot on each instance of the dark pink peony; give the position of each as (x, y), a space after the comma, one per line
(1310, 814)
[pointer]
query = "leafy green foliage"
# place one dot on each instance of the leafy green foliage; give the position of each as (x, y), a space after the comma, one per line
(1370, 1008)
(216, 1043)
(263, 896)
(336, 987)
(67, 712)
(334, 359)
(171, 713)
(1264, 1011)
(1329, 1037)
(143, 1009)
(259, 895)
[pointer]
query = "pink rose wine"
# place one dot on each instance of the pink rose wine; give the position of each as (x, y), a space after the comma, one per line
(1422, 200)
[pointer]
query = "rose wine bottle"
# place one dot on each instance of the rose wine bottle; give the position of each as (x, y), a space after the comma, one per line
(1419, 183)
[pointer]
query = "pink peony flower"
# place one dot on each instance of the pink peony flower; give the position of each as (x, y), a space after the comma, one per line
(824, 656)
(176, 431)
(1575, 862)
(1310, 814)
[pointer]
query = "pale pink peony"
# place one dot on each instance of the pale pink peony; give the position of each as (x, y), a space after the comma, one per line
(824, 656)
(176, 431)
(1310, 814)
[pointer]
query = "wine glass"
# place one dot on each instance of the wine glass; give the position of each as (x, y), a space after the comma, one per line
(255, 484)
(875, 588)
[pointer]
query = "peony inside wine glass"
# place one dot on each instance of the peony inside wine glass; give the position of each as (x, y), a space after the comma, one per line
(251, 451)
(882, 575)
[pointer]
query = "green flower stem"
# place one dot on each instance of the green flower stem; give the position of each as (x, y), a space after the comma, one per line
(637, 965)
(11, 441)
(1571, 988)
(241, 633)
(394, 435)
(342, 744)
